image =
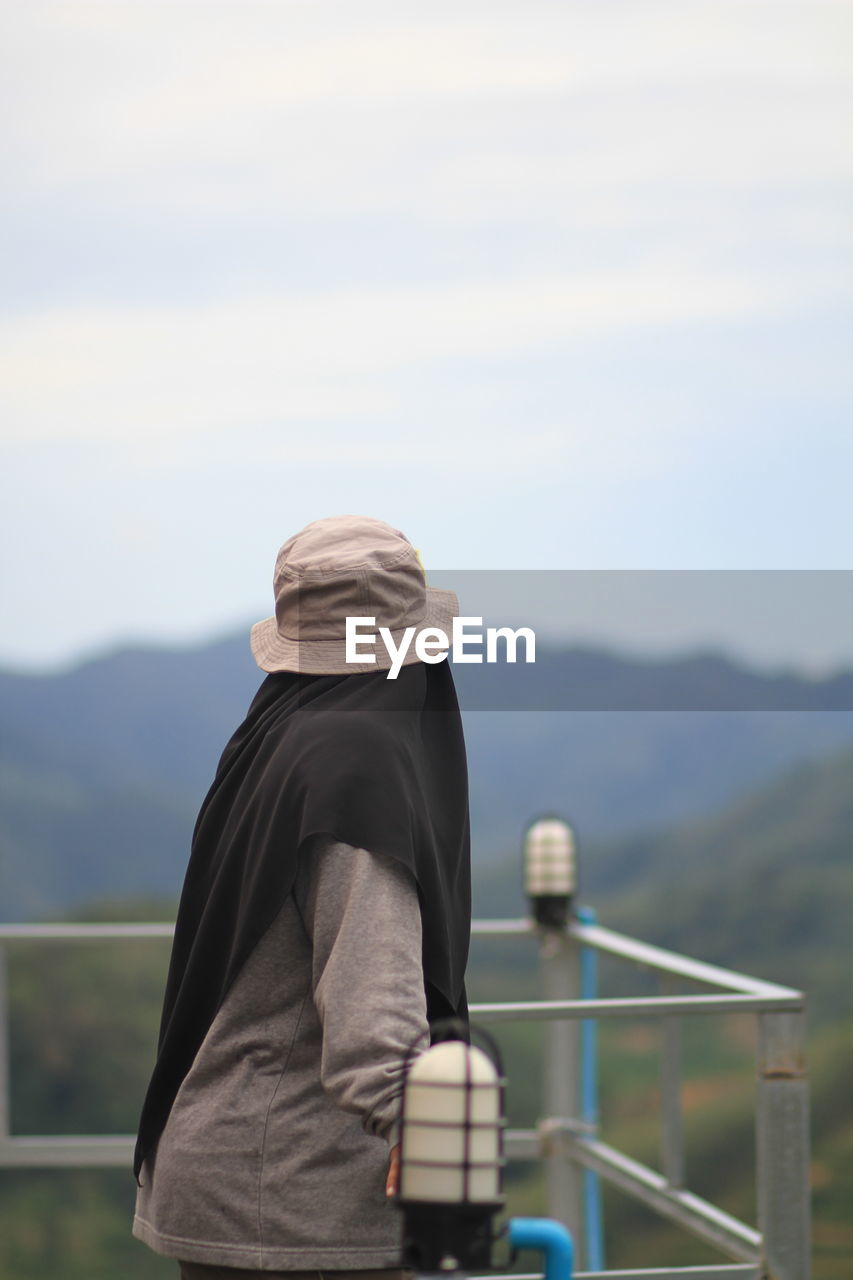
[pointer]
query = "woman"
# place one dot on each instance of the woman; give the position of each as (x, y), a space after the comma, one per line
(323, 925)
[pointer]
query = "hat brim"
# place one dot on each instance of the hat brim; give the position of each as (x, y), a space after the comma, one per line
(275, 652)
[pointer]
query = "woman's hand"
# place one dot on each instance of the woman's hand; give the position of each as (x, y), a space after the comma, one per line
(392, 1182)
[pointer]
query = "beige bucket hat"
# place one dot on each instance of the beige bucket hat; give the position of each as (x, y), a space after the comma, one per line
(342, 567)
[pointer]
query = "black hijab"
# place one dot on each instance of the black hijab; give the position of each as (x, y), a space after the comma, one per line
(376, 763)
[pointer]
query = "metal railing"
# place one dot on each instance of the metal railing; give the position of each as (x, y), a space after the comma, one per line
(780, 1248)
(566, 1137)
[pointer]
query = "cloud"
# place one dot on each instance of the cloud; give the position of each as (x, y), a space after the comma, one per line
(452, 112)
(112, 372)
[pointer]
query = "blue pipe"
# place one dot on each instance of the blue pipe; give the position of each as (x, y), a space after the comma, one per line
(549, 1236)
(593, 1218)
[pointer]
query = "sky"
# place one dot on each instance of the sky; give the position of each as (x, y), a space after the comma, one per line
(546, 285)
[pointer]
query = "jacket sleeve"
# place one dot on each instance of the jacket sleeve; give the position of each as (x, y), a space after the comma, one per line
(362, 915)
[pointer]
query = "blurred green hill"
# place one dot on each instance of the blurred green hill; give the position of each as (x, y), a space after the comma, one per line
(103, 767)
(765, 886)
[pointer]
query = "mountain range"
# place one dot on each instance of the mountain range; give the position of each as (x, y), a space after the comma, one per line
(102, 767)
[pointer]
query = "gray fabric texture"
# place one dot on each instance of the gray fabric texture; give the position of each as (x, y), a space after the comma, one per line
(271, 1158)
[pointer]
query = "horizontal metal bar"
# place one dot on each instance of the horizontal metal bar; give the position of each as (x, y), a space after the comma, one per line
(83, 932)
(118, 1152)
(644, 1184)
(503, 928)
(522, 1144)
(695, 1214)
(61, 1152)
(619, 944)
(643, 953)
(591, 935)
(722, 1271)
(634, 1006)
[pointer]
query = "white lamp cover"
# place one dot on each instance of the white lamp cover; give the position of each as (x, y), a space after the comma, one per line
(550, 867)
(451, 1118)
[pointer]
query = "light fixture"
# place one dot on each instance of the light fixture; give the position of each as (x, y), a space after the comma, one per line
(550, 871)
(451, 1156)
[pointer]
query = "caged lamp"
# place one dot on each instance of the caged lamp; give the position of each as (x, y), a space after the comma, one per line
(451, 1157)
(550, 871)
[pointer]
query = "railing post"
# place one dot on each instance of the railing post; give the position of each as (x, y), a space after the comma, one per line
(672, 1128)
(782, 1147)
(5, 1116)
(593, 1210)
(561, 1084)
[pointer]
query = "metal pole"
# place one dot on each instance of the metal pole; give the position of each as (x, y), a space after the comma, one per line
(672, 1129)
(561, 981)
(593, 1210)
(4, 1050)
(782, 1147)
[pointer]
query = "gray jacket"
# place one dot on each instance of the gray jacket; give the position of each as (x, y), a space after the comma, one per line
(271, 1158)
